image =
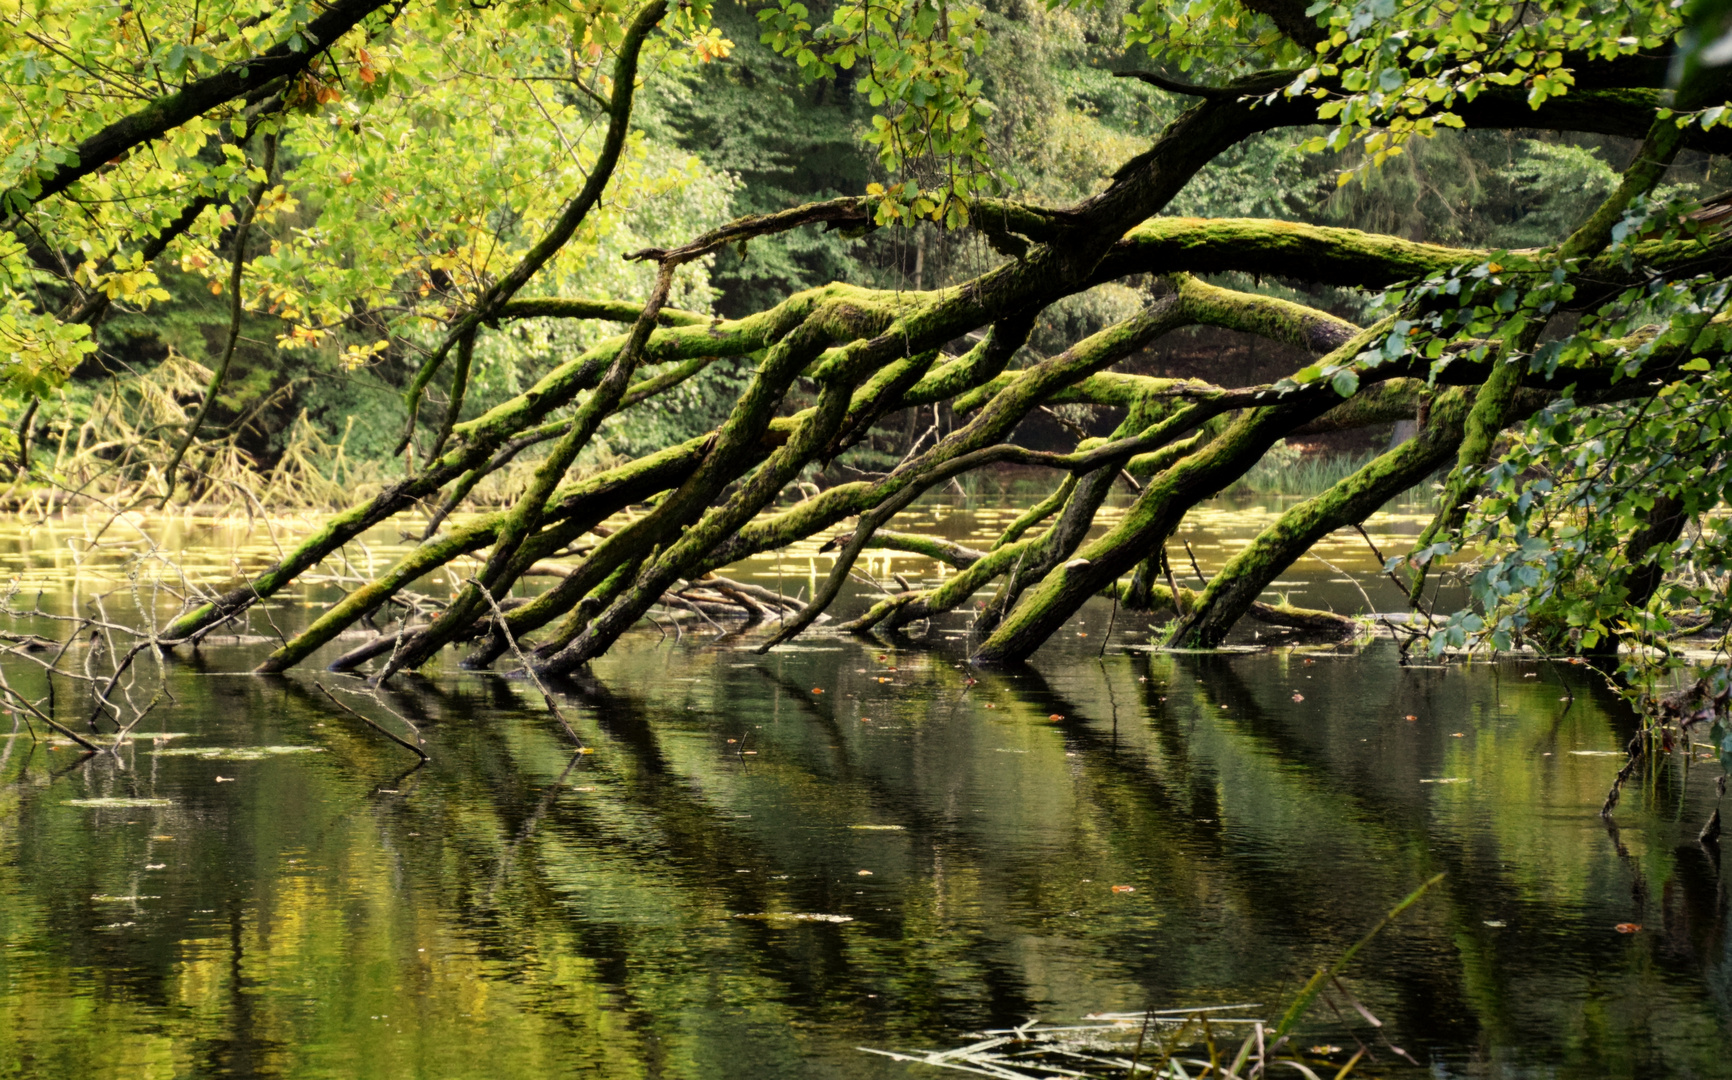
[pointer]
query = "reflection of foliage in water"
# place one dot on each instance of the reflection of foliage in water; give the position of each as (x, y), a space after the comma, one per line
(587, 917)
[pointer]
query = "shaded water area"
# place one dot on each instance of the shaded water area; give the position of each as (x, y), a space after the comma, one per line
(769, 861)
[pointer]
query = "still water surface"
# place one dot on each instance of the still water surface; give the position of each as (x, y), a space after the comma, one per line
(512, 910)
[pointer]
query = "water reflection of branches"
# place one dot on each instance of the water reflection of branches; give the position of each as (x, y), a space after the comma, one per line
(412, 747)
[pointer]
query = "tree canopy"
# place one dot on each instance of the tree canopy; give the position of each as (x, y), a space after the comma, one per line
(811, 220)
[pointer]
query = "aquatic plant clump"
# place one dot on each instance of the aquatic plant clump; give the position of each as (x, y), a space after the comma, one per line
(1112, 1045)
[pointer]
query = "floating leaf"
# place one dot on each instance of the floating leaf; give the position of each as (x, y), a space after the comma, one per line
(1628, 927)
(1124, 888)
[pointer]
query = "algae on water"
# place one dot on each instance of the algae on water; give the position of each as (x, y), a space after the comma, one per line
(116, 801)
(235, 753)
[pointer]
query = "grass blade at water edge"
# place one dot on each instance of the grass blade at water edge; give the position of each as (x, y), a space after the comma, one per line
(1308, 993)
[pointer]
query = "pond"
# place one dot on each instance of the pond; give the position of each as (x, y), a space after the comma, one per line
(767, 862)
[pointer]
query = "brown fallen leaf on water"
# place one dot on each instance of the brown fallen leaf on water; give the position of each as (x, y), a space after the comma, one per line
(1410, 718)
(1628, 927)
(1297, 696)
(1124, 888)
(882, 657)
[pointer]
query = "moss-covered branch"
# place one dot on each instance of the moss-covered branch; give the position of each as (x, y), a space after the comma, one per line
(1153, 517)
(1273, 248)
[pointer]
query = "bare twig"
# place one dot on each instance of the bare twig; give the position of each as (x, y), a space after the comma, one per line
(404, 743)
(523, 662)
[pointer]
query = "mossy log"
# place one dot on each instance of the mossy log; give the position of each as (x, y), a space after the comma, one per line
(1153, 517)
(1232, 591)
(573, 512)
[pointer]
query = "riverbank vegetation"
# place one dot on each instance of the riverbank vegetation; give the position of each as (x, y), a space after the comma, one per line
(770, 273)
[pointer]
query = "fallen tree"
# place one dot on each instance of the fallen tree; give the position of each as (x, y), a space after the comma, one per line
(1601, 327)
